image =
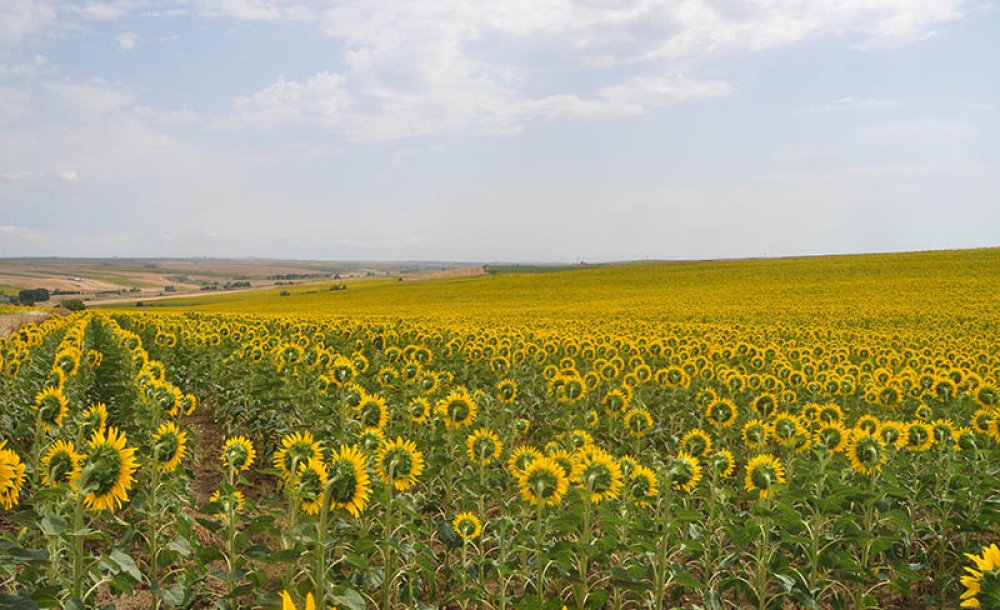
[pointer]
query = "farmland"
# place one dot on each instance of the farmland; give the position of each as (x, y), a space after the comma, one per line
(790, 433)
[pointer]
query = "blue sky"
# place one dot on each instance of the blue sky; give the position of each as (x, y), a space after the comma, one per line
(541, 130)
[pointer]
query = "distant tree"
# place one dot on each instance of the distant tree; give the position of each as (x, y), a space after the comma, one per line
(170, 288)
(32, 296)
(74, 304)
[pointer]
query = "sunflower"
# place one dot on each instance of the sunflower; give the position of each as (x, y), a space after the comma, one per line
(287, 603)
(982, 584)
(542, 482)
(833, 436)
(599, 474)
(399, 463)
(238, 453)
(965, 439)
(52, 407)
(349, 480)
(721, 413)
(236, 496)
(171, 444)
(521, 425)
(919, 437)
(593, 418)
(685, 472)
(483, 446)
(507, 391)
(468, 526)
(866, 453)
(578, 439)
(981, 419)
(987, 395)
(723, 462)
(94, 417)
(637, 421)
(944, 432)
(371, 439)
(11, 477)
(569, 462)
(521, 458)
(372, 412)
(61, 464)
(755, 433)
(892, 433)
(765, 405)
(696, 442)
(311, 479)
(107, 470)
(188, 404)
(296, 449)
(642, 485)
(868, 423)
(784, 427)
(457, 408)
(764, 471)
(419, 410)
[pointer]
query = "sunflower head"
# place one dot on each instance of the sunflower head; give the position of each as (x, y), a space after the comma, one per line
(755, 433)
(372, 412)
(399, 463)
(12, 475)
(61, 464)
(507, 391)
(170, 444)
(238, 453)
(94, 417)
(685, 472)
(865, 452)
(457, 409)
(543, 482)
(982, 582)
(723, 463)
(419, 410)
(350, 485)
(642, 485)
(763, 472)
(468, 526)
(296, 449)
(107, 469)
(234, 501)
(52, 407)
(483, 446)
(311, 481)
(598, 474)
(696, 442)
(721, 413)
(637, 421)
(832, 436)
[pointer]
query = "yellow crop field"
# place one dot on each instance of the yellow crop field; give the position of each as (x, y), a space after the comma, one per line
(792, 433)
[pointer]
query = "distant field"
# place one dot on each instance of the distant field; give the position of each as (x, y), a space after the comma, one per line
(112, 279)
(866, 290)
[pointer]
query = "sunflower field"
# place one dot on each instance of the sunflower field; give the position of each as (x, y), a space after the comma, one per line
(808, 433)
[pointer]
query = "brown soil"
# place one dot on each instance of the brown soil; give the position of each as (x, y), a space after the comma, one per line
(445, 274)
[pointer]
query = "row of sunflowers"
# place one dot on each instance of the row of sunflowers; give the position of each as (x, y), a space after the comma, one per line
(412, 463)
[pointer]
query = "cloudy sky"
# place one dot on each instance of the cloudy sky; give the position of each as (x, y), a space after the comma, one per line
(519, 130)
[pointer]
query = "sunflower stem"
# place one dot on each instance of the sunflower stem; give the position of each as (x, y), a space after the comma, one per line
(78, 547)
(539, 537)
(388, 577)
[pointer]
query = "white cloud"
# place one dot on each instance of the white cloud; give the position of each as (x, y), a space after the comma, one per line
(415, 68)
(19, 18)
(855, 103)
(13, 104)
(254, 9)
(127, 40)
(916, 129)
(166, 117)
(16, 176)
(68, 175)
(88, 99)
